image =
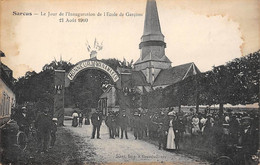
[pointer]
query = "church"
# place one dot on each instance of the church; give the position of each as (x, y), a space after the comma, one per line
(153, 69)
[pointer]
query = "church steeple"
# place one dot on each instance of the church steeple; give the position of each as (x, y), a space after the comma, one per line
(152, 58)
(152, 28)
(152, 40)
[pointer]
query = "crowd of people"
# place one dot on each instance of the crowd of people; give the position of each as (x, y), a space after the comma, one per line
(115, 122)
(41, 127)
(171, 127)
(214, 129)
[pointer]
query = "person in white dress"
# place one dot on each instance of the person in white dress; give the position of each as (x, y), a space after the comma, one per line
(170, 134)
(195, 125)
(203, 123)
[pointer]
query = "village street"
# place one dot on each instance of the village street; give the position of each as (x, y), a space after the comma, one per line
(123, 150)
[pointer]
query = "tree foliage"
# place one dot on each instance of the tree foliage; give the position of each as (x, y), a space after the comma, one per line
(38, 88)
(236, 82)
(84, 92)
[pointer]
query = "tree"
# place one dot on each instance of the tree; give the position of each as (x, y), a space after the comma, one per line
(38, 88)
(236, 82)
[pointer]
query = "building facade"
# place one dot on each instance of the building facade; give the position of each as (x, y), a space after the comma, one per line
(7, 96)
(108, 101)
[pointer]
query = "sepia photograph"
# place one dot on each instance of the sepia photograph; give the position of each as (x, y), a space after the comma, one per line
(129, 82)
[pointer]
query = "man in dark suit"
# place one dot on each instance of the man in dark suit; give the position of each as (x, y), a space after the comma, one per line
(124, 121)
(43, 125)
(110, 122)
(22, 120)
(96, 120)
(137, 125)
(117, 123)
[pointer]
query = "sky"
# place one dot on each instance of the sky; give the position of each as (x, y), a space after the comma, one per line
(206, 32)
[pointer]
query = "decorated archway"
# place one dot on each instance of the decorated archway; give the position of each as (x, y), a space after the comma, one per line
(63, 79)
(91, 64)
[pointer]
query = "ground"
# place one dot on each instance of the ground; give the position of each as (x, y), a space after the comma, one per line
(75, 146)
(123, 150)
(67, 150)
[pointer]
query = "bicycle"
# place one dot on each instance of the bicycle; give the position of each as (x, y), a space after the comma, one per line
(23, 139)
(236, 156)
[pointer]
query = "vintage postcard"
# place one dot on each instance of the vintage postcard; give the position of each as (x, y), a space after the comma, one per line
(129, 82)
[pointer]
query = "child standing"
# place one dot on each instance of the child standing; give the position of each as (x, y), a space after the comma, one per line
(161, 136)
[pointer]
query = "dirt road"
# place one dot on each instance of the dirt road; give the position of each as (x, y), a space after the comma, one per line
(123, 150)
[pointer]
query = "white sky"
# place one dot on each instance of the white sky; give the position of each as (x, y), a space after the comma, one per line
(207, 32)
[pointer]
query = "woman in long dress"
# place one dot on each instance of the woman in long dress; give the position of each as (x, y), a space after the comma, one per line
(171, 135)
(75, 119)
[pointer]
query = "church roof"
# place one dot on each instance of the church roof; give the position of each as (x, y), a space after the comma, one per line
(133, 78)
(152, 28)
(139, 78)
(175, 74)
(153, 57)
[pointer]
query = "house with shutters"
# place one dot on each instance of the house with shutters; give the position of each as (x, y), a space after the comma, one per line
(7, 95)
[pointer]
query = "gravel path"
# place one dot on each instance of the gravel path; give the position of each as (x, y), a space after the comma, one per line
(125, 150)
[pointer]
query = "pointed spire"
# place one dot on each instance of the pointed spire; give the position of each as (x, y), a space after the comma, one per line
(152, 28)
(152, 44)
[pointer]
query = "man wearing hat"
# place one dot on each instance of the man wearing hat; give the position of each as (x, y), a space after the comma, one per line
(22, 120)
(110, 122)
(96, 120)
(208, 126)
(153, 125)
(43, 125)
(144, 124)
(161, 117)
(124, 121)
(137, 125)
